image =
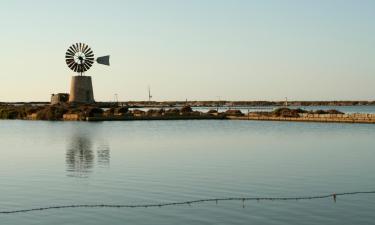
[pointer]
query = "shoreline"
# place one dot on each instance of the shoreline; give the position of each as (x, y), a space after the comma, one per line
(359, 118)
(79, 112)
(351, 118)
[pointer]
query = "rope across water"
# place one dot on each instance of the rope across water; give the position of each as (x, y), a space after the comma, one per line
(243, 199)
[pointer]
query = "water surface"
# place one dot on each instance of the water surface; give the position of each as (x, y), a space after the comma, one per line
(135, 162)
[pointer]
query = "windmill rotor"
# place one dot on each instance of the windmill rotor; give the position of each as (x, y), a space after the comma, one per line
(79, 57)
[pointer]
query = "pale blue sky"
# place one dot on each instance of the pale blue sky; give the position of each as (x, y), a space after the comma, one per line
(194, 49)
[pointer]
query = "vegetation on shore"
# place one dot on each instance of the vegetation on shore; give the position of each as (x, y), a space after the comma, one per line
(57, 112)
(45, 112)
(288, 112)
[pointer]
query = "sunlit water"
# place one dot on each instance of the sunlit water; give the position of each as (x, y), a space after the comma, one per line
(59, 163)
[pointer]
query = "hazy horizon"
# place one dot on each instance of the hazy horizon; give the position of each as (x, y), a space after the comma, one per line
(195, 50)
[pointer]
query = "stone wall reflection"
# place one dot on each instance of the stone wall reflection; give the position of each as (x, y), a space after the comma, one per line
(80, 156)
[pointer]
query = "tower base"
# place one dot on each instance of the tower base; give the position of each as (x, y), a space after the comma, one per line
(81, 90)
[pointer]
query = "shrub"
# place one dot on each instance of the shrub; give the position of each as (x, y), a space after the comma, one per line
(152, 112)
(93, 111)
(334, 111)
(138, 112)
(234, 112)
(212, 111)
(287, 112)
(186, 109)
(51, 113)
(122, 110)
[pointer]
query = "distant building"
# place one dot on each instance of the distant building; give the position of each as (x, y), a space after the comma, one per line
(59, 98)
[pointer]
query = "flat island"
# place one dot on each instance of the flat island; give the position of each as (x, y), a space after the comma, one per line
(115, 112)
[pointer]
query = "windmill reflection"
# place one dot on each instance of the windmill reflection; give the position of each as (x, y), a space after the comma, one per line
(80, 156)
(103, 155)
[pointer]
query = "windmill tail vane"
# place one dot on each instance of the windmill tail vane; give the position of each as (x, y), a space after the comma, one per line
(104, 60)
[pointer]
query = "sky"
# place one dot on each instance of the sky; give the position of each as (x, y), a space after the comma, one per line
(192, 49)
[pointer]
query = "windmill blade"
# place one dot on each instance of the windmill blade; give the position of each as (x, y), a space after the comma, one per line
(87, 67)
(71, 48)
(69, 52)
(70, 64)
(91, 60)
(104, 60)
(85, 49)
(74, 67)
(89, 52)
(69, 61)
(69, 56)
(74, 48)
(77, 68)
(89, 56)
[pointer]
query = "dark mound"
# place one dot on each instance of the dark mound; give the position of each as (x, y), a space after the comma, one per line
(233, 112)
(186, 109)
(212, 111)
(287, 112)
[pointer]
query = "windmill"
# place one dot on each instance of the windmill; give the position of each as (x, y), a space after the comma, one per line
(79, 57)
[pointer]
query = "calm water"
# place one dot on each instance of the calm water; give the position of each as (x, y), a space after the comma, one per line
(57, 163)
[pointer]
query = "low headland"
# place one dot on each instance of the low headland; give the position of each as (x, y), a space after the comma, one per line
(116, 112)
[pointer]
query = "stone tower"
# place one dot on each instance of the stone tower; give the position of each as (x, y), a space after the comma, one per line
(81, 90)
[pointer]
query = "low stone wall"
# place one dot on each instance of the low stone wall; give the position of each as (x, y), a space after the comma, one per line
(156, 117)
(307, 117)
(303, 117)
(32, 116)
(71, 117)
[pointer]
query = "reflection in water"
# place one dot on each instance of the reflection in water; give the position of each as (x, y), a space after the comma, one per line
(103, 155)
(80, 156)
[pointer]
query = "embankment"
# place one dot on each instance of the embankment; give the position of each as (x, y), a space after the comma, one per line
(68, 112)
(306, 117)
